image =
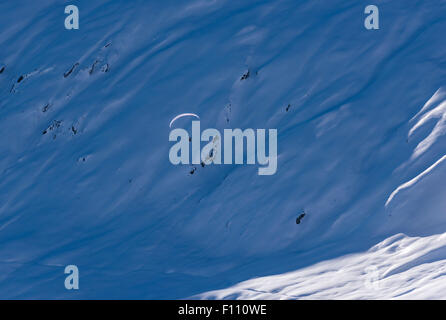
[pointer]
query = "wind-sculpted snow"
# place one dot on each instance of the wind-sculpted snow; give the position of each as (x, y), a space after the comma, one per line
(85, 176)
(414, 180)
(397, 268)
(424, 116)
(438, 112)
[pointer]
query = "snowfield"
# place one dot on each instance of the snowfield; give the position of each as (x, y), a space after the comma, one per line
(400, 267)
(85, 176)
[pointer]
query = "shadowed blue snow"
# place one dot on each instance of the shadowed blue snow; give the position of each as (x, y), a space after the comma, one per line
(85, 177)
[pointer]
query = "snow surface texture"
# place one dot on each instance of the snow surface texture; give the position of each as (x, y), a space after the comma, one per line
(85, 177)
(399, 267)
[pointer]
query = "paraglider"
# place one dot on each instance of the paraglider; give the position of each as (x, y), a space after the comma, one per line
(181, 116)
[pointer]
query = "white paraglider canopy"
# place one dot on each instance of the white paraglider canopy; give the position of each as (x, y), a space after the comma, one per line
(181, 116)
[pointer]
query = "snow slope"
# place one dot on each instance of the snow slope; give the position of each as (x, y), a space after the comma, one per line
(399, 267)
(85, 177)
